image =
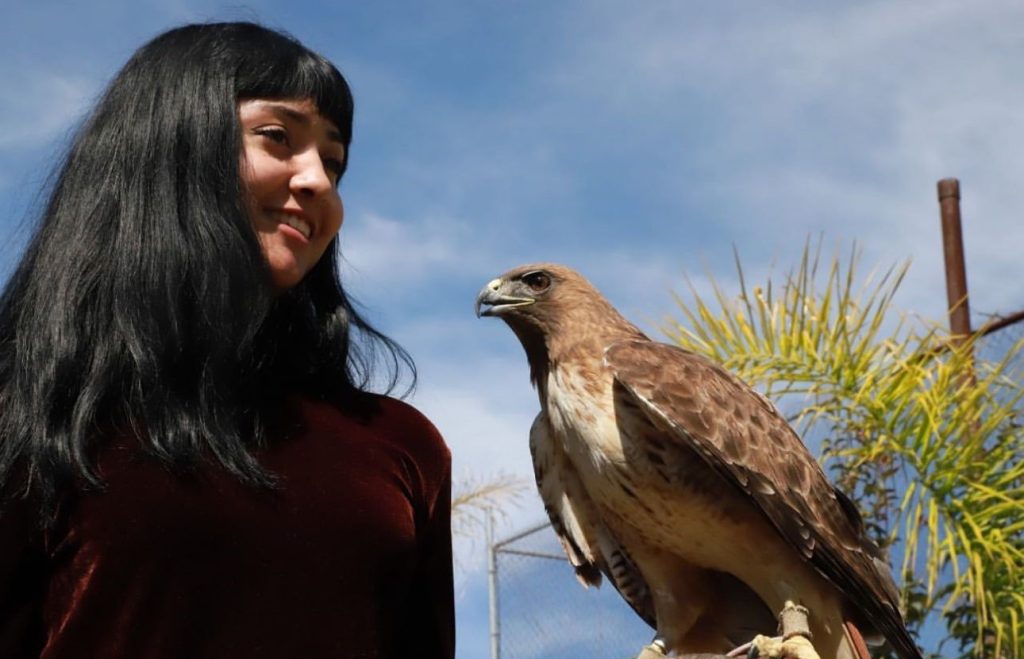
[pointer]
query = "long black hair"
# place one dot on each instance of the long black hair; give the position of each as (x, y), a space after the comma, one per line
(143, 301)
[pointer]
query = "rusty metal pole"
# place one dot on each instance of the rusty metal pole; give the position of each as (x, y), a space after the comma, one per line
(956, 271)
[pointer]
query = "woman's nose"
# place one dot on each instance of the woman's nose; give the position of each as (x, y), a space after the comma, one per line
(310, 177)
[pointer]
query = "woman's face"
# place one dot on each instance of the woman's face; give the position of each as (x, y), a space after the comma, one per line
(292, 158)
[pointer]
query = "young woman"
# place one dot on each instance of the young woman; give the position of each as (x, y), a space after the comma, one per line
(191, 463)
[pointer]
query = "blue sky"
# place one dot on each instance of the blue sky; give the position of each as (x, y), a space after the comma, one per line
(637, 142)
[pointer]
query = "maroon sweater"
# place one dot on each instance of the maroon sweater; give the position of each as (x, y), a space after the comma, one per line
(349, 557)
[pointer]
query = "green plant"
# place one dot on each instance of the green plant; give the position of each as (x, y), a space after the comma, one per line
(925, 436)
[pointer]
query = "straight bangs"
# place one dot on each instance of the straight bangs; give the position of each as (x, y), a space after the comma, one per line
(293, 72)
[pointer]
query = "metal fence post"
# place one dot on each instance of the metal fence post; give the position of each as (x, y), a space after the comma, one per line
(492, 588)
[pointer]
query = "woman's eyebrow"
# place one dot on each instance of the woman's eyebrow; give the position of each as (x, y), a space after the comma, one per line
(299, 117)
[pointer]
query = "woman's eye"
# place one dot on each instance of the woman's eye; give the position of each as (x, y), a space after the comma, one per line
(335, 167)
(278, 135)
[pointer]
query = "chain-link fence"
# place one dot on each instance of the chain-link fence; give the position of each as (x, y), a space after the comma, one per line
(543, 612)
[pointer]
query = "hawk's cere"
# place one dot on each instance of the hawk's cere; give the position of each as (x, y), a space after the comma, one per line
(682, 485)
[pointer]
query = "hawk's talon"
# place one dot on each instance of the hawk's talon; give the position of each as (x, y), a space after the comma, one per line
(755, 648)
(795, 647)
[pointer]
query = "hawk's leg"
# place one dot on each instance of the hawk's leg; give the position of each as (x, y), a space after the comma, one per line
(795, 642)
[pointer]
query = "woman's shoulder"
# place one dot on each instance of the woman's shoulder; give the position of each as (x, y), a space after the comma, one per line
(399, 410)
(395, 415)
(402, 424)
(414, 435)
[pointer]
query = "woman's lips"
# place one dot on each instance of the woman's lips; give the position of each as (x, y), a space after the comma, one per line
(294, 221)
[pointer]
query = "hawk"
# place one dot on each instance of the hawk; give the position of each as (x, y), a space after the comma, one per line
(683, 486)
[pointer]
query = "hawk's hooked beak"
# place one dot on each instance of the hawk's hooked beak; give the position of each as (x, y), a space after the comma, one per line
(492, 301)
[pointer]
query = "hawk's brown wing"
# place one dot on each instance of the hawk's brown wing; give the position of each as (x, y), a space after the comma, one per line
(588, 543)
(698, 404)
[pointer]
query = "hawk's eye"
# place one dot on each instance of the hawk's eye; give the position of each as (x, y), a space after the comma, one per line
(537, 281)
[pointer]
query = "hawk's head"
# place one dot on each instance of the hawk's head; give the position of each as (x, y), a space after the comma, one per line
(545, 298)
(528, 294)
(553, 311)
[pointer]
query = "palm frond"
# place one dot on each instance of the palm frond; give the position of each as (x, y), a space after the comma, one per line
(923, 434)
(474, 497)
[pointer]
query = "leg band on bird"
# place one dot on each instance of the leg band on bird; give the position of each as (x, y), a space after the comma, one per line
(793, 622)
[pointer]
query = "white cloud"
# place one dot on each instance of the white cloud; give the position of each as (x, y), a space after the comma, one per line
(486, 431)
(38, 106)
(833, 118)
(410, 253)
